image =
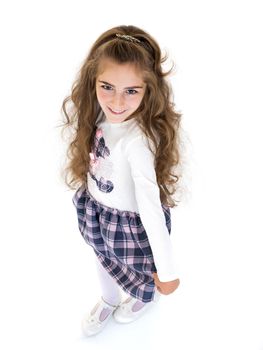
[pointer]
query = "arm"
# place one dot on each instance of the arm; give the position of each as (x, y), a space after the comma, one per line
(147, 195)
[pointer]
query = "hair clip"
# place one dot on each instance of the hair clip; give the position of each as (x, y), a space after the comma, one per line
(128, 38)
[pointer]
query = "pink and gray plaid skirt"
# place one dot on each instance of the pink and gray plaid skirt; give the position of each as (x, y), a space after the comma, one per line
(120, 242)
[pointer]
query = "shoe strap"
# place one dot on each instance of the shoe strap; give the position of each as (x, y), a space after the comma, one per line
(101, 306)
(108, 304)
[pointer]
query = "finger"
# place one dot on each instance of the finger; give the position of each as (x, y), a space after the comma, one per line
(159, 289)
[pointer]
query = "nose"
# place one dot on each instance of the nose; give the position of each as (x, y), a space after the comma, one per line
(118, 101)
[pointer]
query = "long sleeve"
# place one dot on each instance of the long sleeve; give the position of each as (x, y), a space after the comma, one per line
(147, 195)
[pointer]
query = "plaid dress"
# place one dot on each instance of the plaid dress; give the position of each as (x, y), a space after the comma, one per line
(120, 242)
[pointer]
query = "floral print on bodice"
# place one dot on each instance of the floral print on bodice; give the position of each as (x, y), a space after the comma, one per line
(100, 166)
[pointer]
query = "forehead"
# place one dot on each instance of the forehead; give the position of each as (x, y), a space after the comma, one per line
(121, 73)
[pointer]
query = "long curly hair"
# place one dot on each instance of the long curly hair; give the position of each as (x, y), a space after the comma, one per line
(156, 115)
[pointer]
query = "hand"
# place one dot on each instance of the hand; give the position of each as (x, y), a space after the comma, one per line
(165, 287)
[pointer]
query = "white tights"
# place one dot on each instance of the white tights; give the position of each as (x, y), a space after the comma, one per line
(110, 289)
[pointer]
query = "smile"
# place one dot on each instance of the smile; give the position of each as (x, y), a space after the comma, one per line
(116, 112)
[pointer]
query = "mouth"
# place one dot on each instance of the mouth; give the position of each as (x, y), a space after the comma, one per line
(116, 112)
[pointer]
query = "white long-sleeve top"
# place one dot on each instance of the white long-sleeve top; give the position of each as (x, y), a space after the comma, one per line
(123, 176)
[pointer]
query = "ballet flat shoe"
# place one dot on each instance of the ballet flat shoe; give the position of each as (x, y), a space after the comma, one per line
(91, 323)
(124, 314)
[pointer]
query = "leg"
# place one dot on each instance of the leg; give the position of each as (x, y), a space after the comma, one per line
(99, 316)
(110, 289)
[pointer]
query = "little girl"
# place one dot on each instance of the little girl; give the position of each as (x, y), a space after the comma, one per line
(122, 157)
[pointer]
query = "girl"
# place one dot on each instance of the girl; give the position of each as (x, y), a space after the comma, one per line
(122, 157)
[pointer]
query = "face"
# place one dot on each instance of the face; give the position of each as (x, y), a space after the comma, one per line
(120, 89)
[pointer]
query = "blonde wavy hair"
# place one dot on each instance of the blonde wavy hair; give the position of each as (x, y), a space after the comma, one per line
(156, 114)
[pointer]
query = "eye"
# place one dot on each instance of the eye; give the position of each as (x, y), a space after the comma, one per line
(106, 87)
(109, 88)
(132, 92)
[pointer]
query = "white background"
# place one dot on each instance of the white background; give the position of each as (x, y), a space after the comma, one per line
(48, 278)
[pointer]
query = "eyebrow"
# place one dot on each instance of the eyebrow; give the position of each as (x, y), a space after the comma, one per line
(129, 87)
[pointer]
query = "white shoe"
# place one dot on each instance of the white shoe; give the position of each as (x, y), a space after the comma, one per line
(92, 323)
(125, 314)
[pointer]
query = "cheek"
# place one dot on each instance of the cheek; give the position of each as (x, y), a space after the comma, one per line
(102, 96)
(135, 101)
